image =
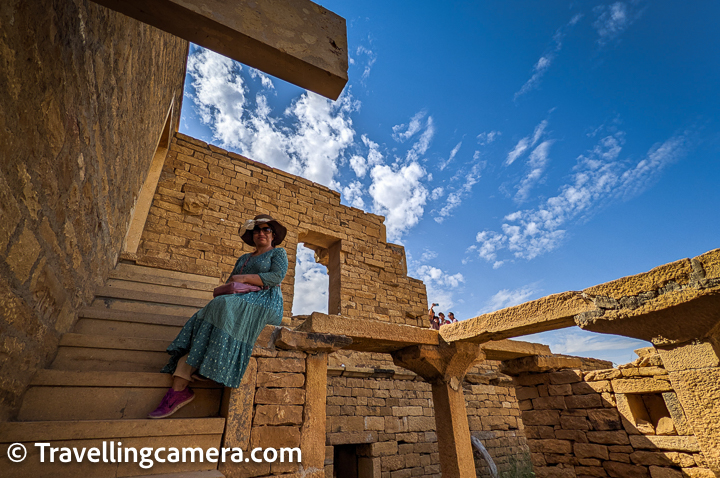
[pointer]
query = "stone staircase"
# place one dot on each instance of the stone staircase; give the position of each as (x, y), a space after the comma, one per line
(105, 379)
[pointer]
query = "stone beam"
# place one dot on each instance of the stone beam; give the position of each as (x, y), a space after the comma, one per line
(549, 313)
(369, 335)
(295, 40)
(512, 349)
(287, 339)
(670, 304)
(445, 367)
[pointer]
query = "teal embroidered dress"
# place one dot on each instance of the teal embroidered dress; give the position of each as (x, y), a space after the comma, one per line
(219, 338)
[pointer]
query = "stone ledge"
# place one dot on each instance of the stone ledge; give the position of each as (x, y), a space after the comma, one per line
(656, 442)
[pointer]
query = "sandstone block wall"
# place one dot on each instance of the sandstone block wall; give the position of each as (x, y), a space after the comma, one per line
(205, 194)
(383, 416)
(623, 422)
(279, 404)
(84, 94)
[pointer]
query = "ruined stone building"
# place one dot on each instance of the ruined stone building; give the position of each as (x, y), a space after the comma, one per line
(115, 229)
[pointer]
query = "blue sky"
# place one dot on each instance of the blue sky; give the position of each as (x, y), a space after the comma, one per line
(517, 149)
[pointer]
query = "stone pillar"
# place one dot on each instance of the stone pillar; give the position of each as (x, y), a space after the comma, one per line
(694, 371)
(445, 367)
(237, 408)
(312, 439)
(334, 266)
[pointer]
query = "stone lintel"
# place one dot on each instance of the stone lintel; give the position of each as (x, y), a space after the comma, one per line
(640, 385)
(511, 349)
(287, 339)
(369, 335)
(671, 304)
(295, 40)
(549, 313)
(539, 363)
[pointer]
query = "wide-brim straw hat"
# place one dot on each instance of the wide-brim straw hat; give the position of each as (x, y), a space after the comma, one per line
(246, 230)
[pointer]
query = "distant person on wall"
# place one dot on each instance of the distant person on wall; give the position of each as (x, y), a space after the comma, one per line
(216, 343)
(434, 320)
(441, 318)
(451, 318)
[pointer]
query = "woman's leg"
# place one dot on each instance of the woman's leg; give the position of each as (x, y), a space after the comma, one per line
(182, 375)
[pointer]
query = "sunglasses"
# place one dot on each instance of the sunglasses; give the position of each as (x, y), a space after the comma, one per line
(264, 230)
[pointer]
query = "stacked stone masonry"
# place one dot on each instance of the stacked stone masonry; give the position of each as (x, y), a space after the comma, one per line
(84, 95)
(384, 415)
(205, 194)
(623, 422)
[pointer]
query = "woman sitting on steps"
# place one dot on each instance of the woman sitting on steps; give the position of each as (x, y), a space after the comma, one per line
(216, 343)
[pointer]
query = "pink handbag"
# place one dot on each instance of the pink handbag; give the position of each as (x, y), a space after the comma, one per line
(236, 287)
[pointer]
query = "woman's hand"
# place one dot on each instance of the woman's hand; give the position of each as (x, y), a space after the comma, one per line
(252, 279)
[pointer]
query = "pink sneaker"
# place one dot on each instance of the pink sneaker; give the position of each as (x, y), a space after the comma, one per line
(172, 402)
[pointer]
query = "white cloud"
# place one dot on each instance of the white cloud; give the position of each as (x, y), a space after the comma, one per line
(428, 255)
(440, 285)
(488, 137)
(413, 127)
(517, 151)
(455, 198)
(402, 133)
(453, 153)
(423, 143)
(359, 165)
(399, 195)
(371, 59)
(613, 20)
(490, 243)
(437, 193)
(311, 284)
(353, 194)
(309, 139)
(323, 133)
(537, 163)
(546, 60)
(598, 178)
(265, 80)
(526, 143)
(508, 298)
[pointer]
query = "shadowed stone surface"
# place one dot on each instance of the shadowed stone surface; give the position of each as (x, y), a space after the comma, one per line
(84, 93)
(295, 40)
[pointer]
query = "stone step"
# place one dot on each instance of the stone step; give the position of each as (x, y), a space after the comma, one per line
(109, 353)
(129, 285)
(120, 315)
(204, 433)
(120, 323)
(149, 296)
(161, 276)
(21, 432)
(83, 395)
(116, 328)
(189, 474)
(145, 307)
